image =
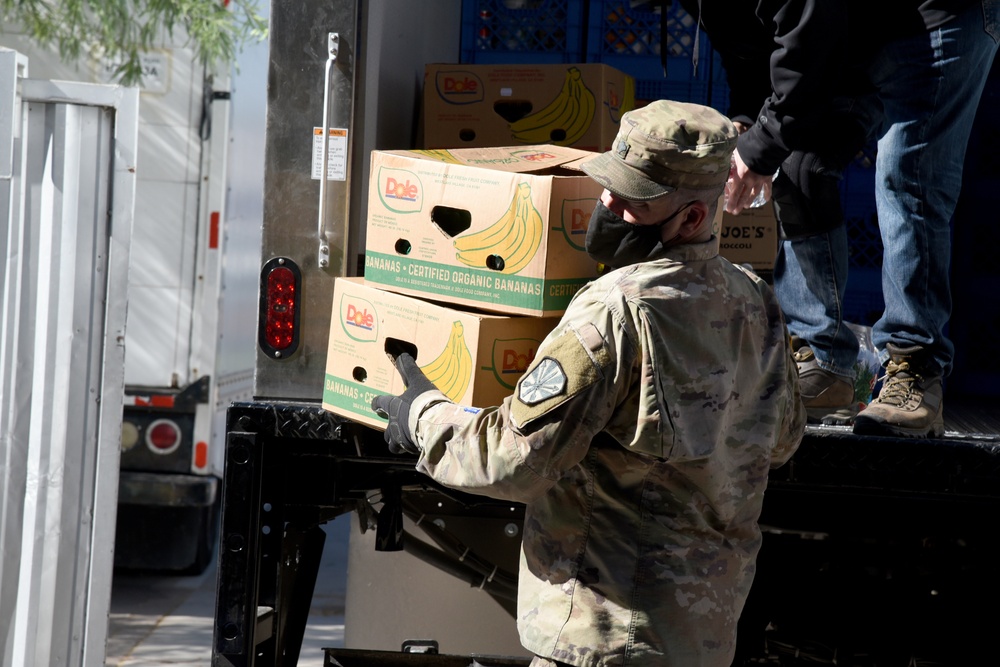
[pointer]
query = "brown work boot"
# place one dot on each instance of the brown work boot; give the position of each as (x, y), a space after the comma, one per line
(828, 397)
(910, 403)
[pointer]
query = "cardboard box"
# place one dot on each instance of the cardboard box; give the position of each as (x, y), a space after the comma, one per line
(474, 358)
(469, 106)
(501, 229)
(750, 237)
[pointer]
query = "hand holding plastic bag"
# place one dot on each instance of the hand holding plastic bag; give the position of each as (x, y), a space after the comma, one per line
(746, 188)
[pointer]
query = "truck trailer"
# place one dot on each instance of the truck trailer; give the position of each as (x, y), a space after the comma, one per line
(188, 343)
(877, 551)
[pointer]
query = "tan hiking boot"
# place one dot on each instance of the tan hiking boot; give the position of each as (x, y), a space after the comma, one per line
(828, 397)
(910, 403)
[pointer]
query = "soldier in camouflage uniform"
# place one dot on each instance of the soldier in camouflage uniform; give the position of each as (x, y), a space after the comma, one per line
(641, 436)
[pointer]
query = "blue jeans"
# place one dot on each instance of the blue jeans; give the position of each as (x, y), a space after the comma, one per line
(810, 276)
(929, 87)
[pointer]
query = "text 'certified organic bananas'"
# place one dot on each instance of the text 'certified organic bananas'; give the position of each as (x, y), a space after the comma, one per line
(509, 244)
(451, 371)
(562, 121)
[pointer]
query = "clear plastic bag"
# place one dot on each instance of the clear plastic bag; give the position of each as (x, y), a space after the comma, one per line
(867, 369)
(762, 197)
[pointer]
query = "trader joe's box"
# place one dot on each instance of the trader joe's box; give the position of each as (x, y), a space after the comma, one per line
(750, 237)
(501, 229)
(475, 358)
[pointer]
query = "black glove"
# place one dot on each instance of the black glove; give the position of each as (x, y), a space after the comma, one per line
(397, 408)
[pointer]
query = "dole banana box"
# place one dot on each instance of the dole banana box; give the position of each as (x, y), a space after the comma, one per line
(580, 105)
(475, 358)
(500, 229)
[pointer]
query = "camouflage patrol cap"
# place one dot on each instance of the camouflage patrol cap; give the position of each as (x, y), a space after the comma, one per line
(663, 146)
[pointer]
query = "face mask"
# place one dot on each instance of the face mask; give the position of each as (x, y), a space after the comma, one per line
(616, 243)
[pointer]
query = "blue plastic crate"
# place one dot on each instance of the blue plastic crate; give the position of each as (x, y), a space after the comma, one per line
(857, 190)
(863, 234)
(973, 328)
(628, 38)
(975, 273)
(715, 96)
(863, 300)
(517, 32)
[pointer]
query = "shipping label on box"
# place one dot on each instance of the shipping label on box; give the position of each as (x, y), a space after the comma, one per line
(750, 237)
(501, 229)
(581, 105)
(475, 358)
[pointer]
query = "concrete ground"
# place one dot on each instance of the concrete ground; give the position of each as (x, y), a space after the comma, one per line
(162, 620)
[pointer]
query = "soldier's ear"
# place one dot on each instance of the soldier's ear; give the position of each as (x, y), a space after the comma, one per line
(694, 217)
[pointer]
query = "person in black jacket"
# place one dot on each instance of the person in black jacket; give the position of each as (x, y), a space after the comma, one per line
(911, 72)
(806, 198)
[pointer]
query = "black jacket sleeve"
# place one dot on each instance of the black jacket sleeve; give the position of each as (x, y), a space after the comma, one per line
(808, 35)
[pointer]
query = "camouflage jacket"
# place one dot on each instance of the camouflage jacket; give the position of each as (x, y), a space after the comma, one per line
(640, 440)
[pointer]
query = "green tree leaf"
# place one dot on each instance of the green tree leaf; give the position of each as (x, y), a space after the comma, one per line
(119, 31)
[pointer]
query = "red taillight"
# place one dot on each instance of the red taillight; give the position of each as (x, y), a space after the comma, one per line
(279, 327)
(213, 230)
(163, 436)
(279, 315)
(200, 454)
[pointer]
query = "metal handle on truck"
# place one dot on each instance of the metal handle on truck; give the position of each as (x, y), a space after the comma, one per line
(333, 47)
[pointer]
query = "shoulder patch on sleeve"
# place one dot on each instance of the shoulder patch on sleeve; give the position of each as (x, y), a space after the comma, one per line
(566, 365)
(545, 380)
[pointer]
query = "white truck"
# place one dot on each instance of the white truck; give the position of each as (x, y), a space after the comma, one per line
(189, 341)
(876, 550)
(67, 186)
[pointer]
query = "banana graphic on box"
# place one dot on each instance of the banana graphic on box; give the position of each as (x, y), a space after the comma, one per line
(562, 121)
(451, 371)
(441, 154)
(509, 244)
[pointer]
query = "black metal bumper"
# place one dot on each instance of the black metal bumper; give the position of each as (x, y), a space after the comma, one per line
(166, 490)
(292, 467)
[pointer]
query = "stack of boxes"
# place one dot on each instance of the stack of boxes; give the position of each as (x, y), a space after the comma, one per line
(493, 105)
(476, 243)
(472, 255)
(629, 39)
